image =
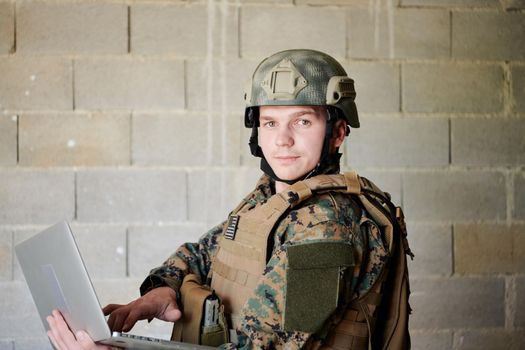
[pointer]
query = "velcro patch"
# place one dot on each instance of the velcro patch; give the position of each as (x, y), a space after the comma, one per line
(313, 282)
(232, 227)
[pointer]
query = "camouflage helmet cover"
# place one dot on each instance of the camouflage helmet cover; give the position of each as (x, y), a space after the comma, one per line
(301, 78)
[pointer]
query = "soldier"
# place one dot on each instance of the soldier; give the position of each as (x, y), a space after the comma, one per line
(302, 261)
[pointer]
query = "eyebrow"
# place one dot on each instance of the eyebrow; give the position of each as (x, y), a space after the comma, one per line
(293, 115)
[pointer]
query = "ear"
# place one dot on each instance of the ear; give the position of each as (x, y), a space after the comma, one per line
(339, 133)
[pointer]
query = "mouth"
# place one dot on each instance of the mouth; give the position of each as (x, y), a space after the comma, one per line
(286, 159)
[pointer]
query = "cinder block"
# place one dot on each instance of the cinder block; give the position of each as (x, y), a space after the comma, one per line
(71, 28)
(518, 87)
(7, 344)
(8, 139)
(130, 195)
(103, 249)
(384, 32)
(489, 249)
(377, 86)
(226, 143)
(519, 320)
(36, 83)
(114, 83)
(456, 196)
(31, 343)
(489, 339)
(427, 340)
(6, 255)
(184, 140)
(19, 314)
(474, 37)
(7, 27)
(369, 34)
(422, 33)
(214, 193)
(328, 2)
(451, 3)
(169, 139)
(432, 247)
(452, 87)
(74, 139)
(150, 246)
(37, 196)
(183, 30)
(384, 142)
(491, 142)
(447, 303)
(387, 180)
(514, 4)
(268, 1)
(218, 85)
(266, 30)
(519, 196)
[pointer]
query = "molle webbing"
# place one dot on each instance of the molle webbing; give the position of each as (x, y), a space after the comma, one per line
(241, 261)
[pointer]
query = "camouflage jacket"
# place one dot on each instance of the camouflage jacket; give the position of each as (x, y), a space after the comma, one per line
(326, 217)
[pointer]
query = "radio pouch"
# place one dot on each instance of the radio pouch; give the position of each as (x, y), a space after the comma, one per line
(199, 324)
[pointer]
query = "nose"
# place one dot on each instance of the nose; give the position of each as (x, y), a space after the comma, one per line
(284, 137)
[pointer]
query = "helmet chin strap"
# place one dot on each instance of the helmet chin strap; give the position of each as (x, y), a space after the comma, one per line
(325, 159)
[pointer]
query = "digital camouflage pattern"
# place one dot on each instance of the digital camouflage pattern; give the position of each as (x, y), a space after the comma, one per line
(327, 217)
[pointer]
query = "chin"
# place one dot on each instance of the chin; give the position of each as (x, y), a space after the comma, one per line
(286, 175)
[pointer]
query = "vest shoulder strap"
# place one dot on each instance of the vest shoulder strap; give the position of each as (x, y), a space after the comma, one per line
(348, 182)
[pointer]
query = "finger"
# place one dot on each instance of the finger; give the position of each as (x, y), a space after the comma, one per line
(172, 314)
(110, 308)
(55, 332)
(130, 320)
(111, 319)
(138, 312)
(118, 321)
(85, 340)
(52, 339)
(67, 338)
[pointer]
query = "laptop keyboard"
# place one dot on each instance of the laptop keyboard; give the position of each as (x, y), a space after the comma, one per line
(171, 344)
(137, 337)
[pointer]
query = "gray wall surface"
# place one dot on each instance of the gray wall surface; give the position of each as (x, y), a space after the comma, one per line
(125, 118)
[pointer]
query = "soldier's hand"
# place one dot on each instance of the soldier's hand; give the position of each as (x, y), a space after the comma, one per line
(159, 302)
(63, 339)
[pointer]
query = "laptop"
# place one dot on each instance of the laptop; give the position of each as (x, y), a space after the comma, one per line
(58, 279)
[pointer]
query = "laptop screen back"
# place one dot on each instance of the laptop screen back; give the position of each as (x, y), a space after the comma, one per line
(57, 279)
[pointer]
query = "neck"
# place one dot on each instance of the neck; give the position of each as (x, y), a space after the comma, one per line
(280, 186)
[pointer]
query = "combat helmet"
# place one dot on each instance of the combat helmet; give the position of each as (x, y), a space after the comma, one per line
(300, 77)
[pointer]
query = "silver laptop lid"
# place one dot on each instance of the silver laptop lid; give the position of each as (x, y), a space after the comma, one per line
(58, 279)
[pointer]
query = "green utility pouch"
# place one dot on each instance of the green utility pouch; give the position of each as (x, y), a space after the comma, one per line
(313, 276)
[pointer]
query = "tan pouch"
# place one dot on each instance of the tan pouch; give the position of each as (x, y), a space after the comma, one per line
(189, 328)
(217, 334)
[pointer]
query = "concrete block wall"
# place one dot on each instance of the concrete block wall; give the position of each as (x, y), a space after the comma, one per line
(125, 118)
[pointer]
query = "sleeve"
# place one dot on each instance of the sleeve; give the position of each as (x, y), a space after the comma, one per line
(189, 258)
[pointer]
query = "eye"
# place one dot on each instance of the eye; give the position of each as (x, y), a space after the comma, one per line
(303, 122)
(269, 124)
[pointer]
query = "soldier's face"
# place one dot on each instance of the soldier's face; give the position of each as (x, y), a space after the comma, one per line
(291, 138)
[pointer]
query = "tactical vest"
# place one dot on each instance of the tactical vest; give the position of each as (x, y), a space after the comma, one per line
(242, 257)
